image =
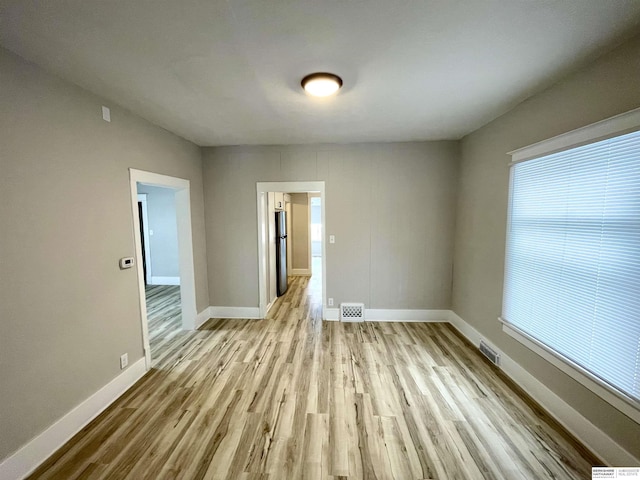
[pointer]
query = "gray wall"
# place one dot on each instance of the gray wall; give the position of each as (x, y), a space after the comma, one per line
(67, 311)
(161, 211)
(608, 87)
(300, 231)
(390, 206)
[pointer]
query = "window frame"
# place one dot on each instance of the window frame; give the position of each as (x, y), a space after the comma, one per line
(611, 127)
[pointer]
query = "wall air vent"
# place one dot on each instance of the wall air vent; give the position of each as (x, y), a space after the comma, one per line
(490, 353)
(352, 312)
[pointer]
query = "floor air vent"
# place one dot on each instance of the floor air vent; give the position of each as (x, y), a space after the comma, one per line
(490, 353)
(352, 312)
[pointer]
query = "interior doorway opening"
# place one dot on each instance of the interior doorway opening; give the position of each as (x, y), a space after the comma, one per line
(173, 268)
(316, 237)
(160, 264)
(288, 203)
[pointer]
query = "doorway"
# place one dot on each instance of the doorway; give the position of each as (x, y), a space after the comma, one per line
(264, 190)
(316, 237)
(183, 279)
(159, 235)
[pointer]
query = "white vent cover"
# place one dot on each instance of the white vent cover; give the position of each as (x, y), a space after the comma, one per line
(352, 312)
(490, 353)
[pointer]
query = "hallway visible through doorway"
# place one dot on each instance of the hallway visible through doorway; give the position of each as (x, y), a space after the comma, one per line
(164, 316)
(294, 199)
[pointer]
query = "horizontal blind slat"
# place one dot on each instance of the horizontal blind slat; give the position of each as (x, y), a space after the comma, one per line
(572, 274)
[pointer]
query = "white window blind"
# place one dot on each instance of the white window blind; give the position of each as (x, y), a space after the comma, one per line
(572, 274)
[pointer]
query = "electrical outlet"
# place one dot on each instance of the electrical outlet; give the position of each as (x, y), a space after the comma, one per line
(124, 361)
(331, 302)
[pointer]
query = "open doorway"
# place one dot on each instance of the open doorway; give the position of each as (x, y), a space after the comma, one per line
(169, 269)
(160, 265)
(315, 220)
(272, 203)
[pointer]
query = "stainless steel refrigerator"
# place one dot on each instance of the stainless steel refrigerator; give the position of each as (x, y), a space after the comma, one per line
(281, 252)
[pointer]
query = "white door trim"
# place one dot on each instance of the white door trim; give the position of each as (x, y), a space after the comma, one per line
(185, 248)
(309, 259)
(142, 197)
(290, 187)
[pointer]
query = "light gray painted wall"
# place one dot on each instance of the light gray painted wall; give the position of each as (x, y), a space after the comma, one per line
(67, 311)
(300, 231)
(608, 87)
(391, 207)
(161, 210)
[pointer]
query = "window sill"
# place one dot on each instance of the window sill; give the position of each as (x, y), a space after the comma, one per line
(624, 404)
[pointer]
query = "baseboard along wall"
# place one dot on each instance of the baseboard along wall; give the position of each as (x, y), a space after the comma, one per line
(234, 312)
(579, 426)
(31, 455)
(201, 318)
(165, 280)
(393, 315)
(36, 451)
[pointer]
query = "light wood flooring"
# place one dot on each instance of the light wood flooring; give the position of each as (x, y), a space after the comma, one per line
(164, 320)
(291, 397)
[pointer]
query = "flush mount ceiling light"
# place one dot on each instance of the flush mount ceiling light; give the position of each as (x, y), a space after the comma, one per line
(321, 84)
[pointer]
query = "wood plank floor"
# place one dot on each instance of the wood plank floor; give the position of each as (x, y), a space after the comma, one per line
(164, 317)
(291, 397)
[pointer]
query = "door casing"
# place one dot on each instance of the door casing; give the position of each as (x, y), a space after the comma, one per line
(262, 188)
(185, 248)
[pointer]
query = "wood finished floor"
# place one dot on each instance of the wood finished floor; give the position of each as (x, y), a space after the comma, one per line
(164, 320)
(291, 397)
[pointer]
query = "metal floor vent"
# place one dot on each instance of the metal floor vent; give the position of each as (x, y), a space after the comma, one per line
(352, 312)
(490, 353)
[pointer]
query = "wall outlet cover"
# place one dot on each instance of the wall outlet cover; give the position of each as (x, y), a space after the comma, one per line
(124, 361)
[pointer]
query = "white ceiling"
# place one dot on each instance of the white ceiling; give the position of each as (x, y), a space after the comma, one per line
(228, 72)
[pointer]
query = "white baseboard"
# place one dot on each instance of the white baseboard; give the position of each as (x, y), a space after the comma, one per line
(300, 272)
(234, 312)
(202, 317)
(390, 315)
(31, 455)
(270, 305)
(165, 280)
(465, 329)
(332, 314)
(591, 436)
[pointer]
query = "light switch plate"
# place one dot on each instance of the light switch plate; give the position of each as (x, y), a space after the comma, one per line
(106, 114)
(332, 239)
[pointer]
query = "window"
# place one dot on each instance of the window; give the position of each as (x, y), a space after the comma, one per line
(572, 271)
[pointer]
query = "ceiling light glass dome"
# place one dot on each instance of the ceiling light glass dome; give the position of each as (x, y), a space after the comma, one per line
(321, 84)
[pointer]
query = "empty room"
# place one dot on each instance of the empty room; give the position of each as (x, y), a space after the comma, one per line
(320, 239)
